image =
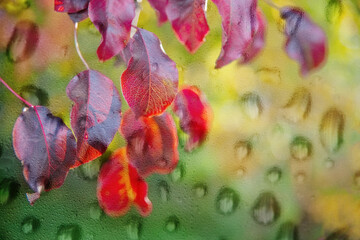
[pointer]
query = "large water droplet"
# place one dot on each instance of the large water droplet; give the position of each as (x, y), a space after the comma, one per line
(164, 191)
(68, 232)
(90, 170)
(266, 209)
(172, 223)
(298, 106)
(178, 173)
(200, 190)
(273, 175)
(9, 189)
(34, 95)
(300, 148)
(334, 10)
(30, 225)
(95, 211)
(242, 150)
(338, 235)
(227, 201)
(287, 231)
(251, 105)
(332, 130)
(133, 228)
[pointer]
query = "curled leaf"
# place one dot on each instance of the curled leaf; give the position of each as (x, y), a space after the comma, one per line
(159, 6)
(45, 146)
(195, 115)
(151, 143)
(96, 115)
(188, 20)
(306, 42)
(119, 185)
(150, 82)
(70, 6)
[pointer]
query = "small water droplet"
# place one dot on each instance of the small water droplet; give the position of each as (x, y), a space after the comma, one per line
(200, 190)
(242, 150)
(300, 177)
(251, 105)
(329, 163)
(266, 209)
(164, 191)
(357, 179)
(172, 224)
(133, 228)
(287, 231)
(269, 75)
(299, 105)
(273, 175)
(25, 109)
(90, 170)
(34, 95)
(300, 148)
(68, 232)
(332, 130)
(227, 201)
(154, 67)
(95, 211)
(240, 172)
(178, 174)
(30, 225)
(9, 189)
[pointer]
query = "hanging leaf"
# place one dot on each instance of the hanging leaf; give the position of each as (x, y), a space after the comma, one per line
(70, 6)
(240, 24)
(46, 147)
(96, 115)
(151, 143)
(159, 6)
(149, 84)
(188, 20)
(119, 185)
(306, 42)
(195, 115)
(113, 20)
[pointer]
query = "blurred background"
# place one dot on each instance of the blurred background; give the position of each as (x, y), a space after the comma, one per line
(282, 160)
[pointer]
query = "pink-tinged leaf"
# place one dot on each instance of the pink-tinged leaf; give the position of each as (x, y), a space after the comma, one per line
(188, 20)
(306, 42)
(239, 25)
(150, 82)
(45, 146)
(113, 20)
(119, 185)
(159, 6)
(96, 115)
(195, 115)
(151, 143)
(70, 6)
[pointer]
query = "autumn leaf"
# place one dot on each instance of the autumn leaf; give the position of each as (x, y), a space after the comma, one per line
(96, 115)
(151, 143)
(45, 146)
(195, 115)
(119, 185)
(159, 6)
(150, 82)
(70, 6)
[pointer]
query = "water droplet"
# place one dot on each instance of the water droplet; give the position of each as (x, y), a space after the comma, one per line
(357, 179)
(178, 173)
(90, 170)
(227, 201)
(338, 235)
(172, 224)
(287, 231)
(273, 175)
(300, 148)
(154, 67)
(334, 10)
(1, 150)
(30, 225)
(68, 232)
(240, 172)
(298, 106)
(332, 130)
(266, 209)
(95, 211)
(133, 228)
(269, 75)
(251, 104)
(9, 189)
(329, 163)
(300, 177)
(242, 150)
(164, 191)
(200, 190)
(34, 95)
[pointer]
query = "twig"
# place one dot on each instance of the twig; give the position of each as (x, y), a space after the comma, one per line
(16, 95)
(78, 48)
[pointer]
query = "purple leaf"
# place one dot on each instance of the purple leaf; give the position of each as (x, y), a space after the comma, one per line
(159, 6)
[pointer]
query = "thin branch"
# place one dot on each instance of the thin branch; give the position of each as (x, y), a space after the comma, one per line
(16, 95)
(78, 48)
(271, 4)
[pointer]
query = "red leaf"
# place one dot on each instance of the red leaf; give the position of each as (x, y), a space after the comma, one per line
(113, 20)
(195, 115)
(239, 24)
(306, 42)
(96, 115)
(159, 6)
(45, 146)
(70, 6)
(119, 185)
(188, 20)
(151, 143)
(149, 84)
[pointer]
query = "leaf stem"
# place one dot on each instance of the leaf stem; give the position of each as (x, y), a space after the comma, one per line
(271, 4)
(78, 48)
(16, 95)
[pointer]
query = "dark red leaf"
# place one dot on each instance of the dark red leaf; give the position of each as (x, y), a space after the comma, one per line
(306, 42)
(96, 115)
(113, 20)
(188, 20)
(70, 6)
(151, 143)
(239, 24)
(150, 82)
(119, 185)
(45, 146)
(195, 115)
(79, 16)
(159, 6)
